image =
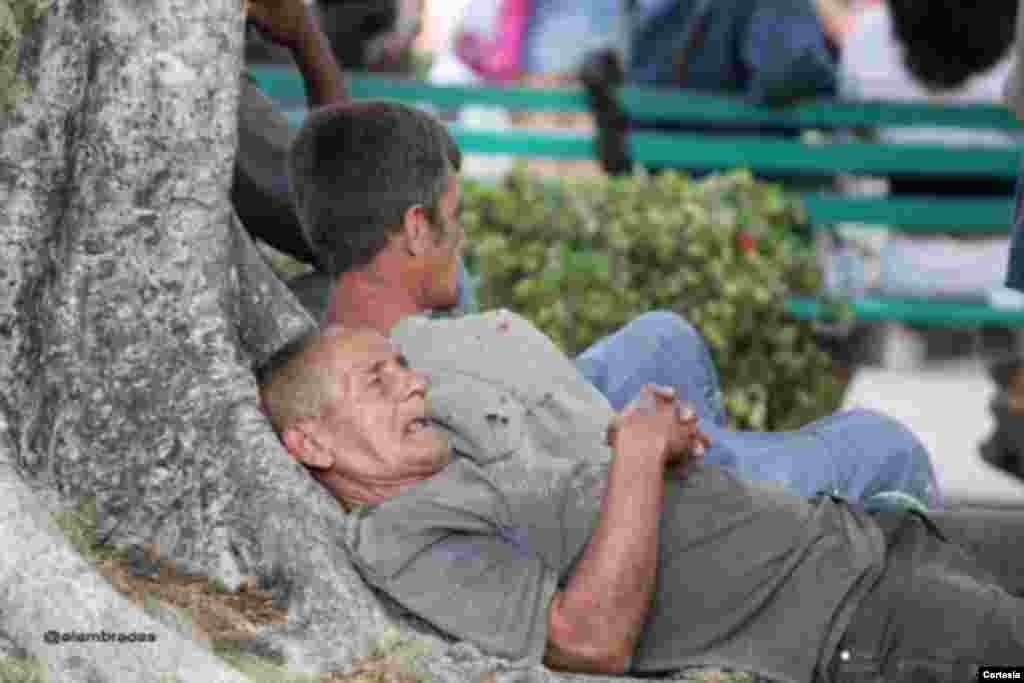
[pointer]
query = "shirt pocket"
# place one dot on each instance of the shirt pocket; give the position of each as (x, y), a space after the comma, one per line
(484, 422)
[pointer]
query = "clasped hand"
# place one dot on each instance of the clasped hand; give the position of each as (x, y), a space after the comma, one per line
(669, 424)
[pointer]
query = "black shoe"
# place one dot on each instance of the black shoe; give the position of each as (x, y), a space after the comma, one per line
(1004, 449)
(602, 68)
(601, 75)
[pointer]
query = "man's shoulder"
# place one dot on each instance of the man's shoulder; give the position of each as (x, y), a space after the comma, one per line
(494, 333)
(424, 323)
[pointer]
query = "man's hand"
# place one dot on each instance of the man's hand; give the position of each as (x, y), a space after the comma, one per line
(659, 412)
(284, 22)
(595, 623)
(290, 24)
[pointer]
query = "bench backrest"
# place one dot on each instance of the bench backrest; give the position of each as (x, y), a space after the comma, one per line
(760, 154)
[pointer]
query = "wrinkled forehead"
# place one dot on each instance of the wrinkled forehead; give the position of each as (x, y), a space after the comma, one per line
(350, 350)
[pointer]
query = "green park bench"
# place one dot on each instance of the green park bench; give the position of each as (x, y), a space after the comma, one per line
(763, 155)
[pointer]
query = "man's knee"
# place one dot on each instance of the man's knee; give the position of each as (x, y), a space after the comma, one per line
(898, 436)
(665, 325)
(882, 423)
(901, 448)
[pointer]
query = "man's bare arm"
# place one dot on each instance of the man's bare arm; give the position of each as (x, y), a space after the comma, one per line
(291, 24)
(594, 624)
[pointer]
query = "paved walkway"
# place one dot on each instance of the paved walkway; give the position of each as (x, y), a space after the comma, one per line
(946, 404)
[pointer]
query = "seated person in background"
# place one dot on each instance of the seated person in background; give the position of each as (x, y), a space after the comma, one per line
(1005, 448)
(377, 189)
(766, 51)
(560, 33)
(771, 52)
(505, 521)
(372, 35)
(259, 192)
(935, 51)
(363, 35)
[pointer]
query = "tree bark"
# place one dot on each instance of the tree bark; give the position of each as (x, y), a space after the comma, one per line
(133, 312)
(131, 316)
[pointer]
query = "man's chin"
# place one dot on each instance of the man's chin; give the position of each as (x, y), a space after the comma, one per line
(433, 448)
(447, 303)
(443, 452)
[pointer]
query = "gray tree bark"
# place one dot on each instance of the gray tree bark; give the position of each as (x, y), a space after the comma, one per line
(133, 311)
(126, 346)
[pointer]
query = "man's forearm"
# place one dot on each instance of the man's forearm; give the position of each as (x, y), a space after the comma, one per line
(606, 600)
(325, 84)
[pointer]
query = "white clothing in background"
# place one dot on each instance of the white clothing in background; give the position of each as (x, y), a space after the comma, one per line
(872, 68)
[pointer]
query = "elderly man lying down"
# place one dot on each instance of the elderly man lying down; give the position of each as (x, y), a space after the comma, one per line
(499, 512)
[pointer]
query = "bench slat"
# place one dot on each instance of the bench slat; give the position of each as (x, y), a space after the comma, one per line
(693, 151)
(761, 154)
(766, 154)
(284, 84)
(966, 215)
(925, 311)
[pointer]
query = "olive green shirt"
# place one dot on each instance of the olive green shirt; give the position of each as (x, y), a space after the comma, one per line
(748, 577)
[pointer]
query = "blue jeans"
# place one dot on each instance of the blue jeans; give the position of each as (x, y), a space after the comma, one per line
(560, 33)
(857, 454)
(1015, 267)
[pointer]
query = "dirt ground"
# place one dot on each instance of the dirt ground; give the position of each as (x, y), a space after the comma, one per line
(223, 618)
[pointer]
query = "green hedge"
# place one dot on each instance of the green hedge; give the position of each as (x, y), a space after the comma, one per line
(583, 256)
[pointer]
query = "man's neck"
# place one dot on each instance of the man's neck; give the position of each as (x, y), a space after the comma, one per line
(365, 299)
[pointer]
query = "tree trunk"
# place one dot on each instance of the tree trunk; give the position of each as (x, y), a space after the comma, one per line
(133, 310)
(127, 343)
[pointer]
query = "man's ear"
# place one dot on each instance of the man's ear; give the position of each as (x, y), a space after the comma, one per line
(300, 440)
(417, 233)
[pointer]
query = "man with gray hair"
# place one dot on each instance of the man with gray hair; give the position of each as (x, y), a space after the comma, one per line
(508, 514)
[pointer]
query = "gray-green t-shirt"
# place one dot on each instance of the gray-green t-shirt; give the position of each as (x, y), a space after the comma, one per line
(749, 577)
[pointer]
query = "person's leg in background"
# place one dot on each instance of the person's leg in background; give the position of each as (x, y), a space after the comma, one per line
(659, 347)
(1015, 267)
(859, 455)
(1004, 448)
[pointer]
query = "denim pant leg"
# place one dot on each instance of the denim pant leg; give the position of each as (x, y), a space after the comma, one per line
(1015, 267)
(858, 455)
(659, 347)
(560, 33)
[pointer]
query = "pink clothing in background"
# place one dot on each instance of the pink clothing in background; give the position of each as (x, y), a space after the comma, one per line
(490, 38)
